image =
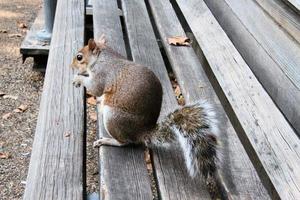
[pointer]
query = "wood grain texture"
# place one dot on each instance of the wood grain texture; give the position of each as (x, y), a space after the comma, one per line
(283, 15)
(269, 140)
(172, 178)
(274, 40)
(123, 172)
(235, 166)
(261, 58)
(31, 45)
(295, 4)
(56, 165)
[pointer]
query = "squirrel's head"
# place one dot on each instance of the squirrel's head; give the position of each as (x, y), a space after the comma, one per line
(87, 56)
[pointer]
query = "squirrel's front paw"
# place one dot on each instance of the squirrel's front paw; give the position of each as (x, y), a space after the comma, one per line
(77, 81)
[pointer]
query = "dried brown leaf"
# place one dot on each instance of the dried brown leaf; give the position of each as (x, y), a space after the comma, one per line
(4, 155)
(91, 101)
(21, 108)
(3, 31)
(6, 116)
(179, 41)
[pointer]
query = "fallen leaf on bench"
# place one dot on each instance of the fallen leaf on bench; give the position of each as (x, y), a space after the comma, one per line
(179, 41)
(21, 108)
(6, 116)
(93, 116)
(67, 134)
(7, 96)
(4, 155)
(91, 101)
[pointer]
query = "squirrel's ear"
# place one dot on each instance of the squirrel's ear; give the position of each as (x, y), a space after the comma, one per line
(92, 44)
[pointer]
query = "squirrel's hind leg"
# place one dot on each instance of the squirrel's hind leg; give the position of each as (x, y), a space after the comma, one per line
(108, 142)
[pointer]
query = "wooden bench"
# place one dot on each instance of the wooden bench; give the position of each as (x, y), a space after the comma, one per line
(259, 153)
(270, 141)
(271, 53)
(56, 169)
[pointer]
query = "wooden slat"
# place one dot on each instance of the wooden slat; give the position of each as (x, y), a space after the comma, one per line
(172, 178)
(268, 50)
(283, 15)
(281, 47)
(269, 140)
(123, 172)
(31, 45)
(235, 165)
(56, 165)
(295, 4)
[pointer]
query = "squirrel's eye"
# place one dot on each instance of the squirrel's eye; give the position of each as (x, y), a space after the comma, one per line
(79, 57)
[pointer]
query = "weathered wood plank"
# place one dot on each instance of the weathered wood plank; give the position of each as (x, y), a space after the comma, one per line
(31, 45)
(264, 53)
(123, 172)
(172, 178)
(295, 4)
(235, 165)
(280, 47)
(283, 15)
(56, 165)
(269, 140)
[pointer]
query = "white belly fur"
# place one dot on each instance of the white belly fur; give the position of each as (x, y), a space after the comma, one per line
(107, 114)
(100, 101)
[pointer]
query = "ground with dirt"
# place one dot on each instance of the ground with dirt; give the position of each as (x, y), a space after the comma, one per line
(21, 86)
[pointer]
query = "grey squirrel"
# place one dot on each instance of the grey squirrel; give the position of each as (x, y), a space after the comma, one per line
(131, 98)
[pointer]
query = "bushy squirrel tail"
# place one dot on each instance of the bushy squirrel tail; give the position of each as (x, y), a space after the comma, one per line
(195, 127)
